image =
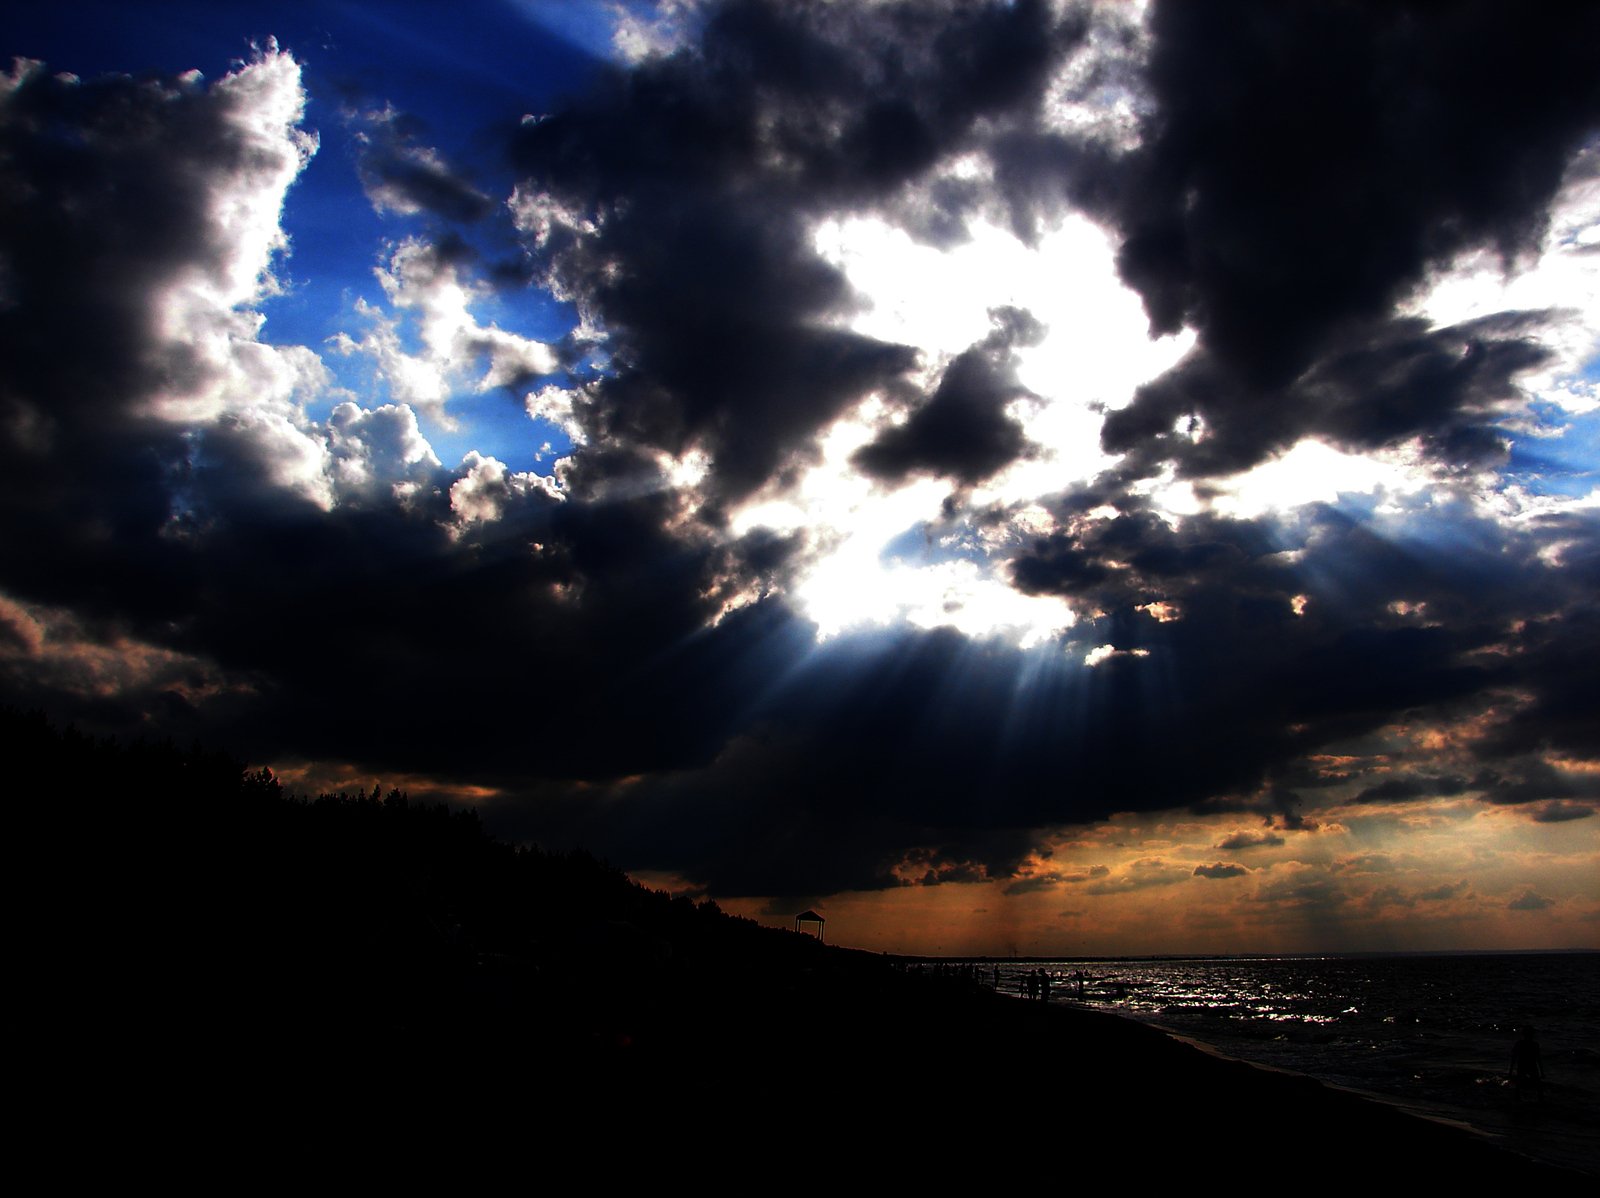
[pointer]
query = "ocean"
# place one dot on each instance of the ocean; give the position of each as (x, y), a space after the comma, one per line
(1430, 1033)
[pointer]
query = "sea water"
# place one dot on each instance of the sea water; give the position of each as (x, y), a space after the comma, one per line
(1431, 1033)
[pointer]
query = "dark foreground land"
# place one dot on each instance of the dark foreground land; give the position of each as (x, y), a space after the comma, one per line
(833, 1070)
(237, 985)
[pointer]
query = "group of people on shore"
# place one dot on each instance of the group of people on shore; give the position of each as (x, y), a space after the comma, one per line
(1032, 984)
(1035, 984)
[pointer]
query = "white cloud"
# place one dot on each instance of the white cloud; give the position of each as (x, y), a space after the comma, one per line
(480, 495)
(205, 314)
(426, 288)
(284, 452)
(659, 29)
(378, 447)
(217, 374)
(555, 404)
(541, 216)
(1100, 94)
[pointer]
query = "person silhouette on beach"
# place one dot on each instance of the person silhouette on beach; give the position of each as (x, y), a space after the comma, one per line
(1527, 1070)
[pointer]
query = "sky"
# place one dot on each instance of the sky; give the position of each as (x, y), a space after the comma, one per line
(1016, 477)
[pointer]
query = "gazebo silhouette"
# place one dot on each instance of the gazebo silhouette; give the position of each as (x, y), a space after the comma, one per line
(809, 916)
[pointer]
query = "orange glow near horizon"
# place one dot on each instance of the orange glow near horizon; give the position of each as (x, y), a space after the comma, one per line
(1436, 876)
(321, 777)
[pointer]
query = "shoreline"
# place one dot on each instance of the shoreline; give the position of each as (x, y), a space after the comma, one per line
(926, 1080)
(842, 1067)
(1496, 1127)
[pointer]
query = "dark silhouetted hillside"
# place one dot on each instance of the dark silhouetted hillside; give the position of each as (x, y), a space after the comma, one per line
(224, 981)
(359, 926)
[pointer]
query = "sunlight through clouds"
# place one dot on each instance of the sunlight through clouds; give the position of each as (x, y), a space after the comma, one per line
(1563, 279)
(1097, 347)
(1312, 472)
(851, 521)
(898, 454)
(1095, 350)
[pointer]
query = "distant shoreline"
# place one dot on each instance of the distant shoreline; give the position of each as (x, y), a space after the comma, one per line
(1148, 957)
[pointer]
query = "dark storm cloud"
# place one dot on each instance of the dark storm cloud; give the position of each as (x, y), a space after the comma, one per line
(1353, 150)
(1345, 572)
(1387, 382)
(1557, 645)
(705, 172)
(1222, 869)
(395, 644)
(589, 657)
(840, 778)
(1350, 149)
(875, 746)
(963, 431)
(878, 744)
(575, 637)
(879, 761)
(1529, 901)
(634, 681)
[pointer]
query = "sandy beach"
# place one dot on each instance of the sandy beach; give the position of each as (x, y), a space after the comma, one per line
(817, 1074)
